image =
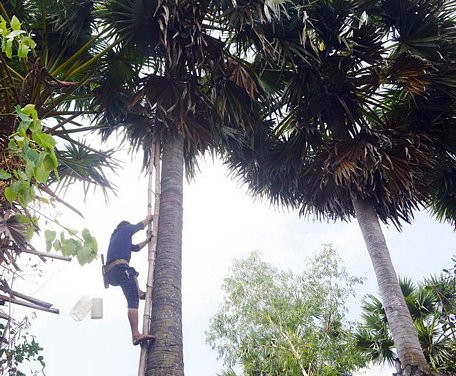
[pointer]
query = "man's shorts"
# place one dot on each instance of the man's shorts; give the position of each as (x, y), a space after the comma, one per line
(124, 276)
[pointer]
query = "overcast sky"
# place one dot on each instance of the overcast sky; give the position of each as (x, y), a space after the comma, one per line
(221, 222)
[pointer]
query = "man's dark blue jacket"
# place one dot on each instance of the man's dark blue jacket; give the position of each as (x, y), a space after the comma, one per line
(120, 245)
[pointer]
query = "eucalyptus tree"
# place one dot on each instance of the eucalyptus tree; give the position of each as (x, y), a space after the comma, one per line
(362, 91)
(276, 322)
(179, 86)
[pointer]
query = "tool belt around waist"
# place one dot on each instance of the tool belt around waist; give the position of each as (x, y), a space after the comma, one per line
(108, 267)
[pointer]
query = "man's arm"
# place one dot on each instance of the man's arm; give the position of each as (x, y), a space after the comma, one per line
(147, 220)
(140, 225)
(137, 247)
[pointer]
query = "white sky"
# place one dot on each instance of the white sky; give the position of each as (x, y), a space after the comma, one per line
(221, 222)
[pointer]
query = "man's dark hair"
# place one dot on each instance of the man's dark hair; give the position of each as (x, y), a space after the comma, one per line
(123, 223)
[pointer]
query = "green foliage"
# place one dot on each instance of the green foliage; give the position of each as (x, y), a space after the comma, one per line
(43, 81)
(19, 350)
(35, 152)
(362, 104)
(277, 323)
(84, 247)
(432, 304)
(13, 35)
(194, 86)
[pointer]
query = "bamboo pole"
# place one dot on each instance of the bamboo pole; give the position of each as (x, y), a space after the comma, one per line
(152, 246)
(33, 251)
(29, 305)
(14, 294)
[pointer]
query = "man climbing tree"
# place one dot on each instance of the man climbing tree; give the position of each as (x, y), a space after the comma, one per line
(118, 272)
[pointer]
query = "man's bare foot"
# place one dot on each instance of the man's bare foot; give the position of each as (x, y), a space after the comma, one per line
(142, 295)
(142, 338)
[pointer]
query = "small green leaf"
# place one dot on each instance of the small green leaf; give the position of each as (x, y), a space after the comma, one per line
(29, 167)
(29, 232)
(23, 218)
(26, 195)
(12, 145)
(94, 245)
(70, 247)
(8, 48)
(86, 235)
(83, 255)
(44, 140)
(15, 23)
(50, 235)
(23, 127)
(37, 138)
(57, 245)
(36, 126)
(22, 174)
(31, 111)
(28, 41)
(20, 113)
(4, 175)
(49, 163)
(41, 174)
(17, 186)
(23, 50)
(10, 194)
(3, 27)
(31, 154)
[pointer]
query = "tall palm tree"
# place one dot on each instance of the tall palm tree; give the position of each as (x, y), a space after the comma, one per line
(182, 86)
(427, 303)
(362, 88)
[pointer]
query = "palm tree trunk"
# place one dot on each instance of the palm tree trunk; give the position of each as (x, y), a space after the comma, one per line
(399, 320)
(165, 356)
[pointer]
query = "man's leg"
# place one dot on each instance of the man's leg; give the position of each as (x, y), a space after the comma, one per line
(130, 290)
(136, 336)
(141, 294)
(133, 320)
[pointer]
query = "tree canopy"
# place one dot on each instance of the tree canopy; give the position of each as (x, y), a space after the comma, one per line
(278, 322)
(432, 304)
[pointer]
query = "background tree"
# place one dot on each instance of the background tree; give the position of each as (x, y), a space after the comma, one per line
(278, 323)
(365, 92)
(432, 304)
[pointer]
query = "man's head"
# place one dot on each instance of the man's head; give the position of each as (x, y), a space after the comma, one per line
(123, 223)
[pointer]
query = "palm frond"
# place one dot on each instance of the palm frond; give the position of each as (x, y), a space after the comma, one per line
(78, 163)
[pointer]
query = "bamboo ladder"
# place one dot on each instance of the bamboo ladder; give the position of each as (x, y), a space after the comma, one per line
(152, 245)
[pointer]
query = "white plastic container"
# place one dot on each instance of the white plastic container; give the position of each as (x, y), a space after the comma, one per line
(82, 308)
(96, 312)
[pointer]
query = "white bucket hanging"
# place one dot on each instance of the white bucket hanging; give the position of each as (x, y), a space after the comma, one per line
(97, 309)
(85, 305)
